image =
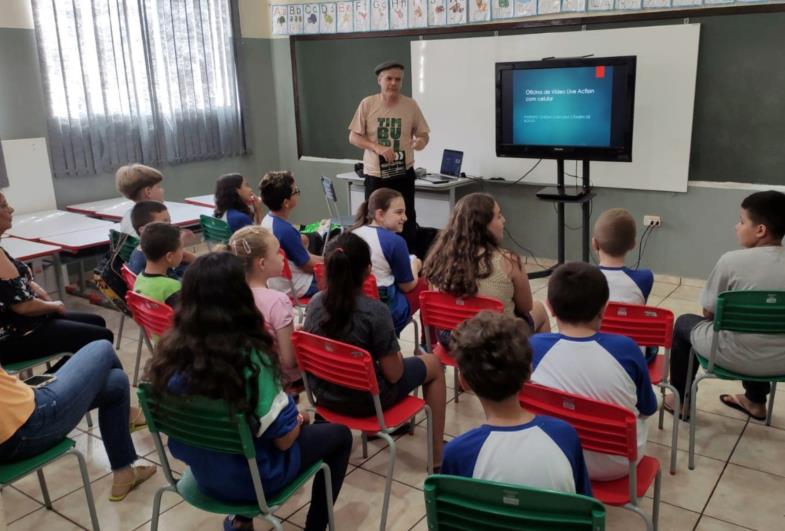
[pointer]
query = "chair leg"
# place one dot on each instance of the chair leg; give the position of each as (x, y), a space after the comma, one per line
(272, 519)
(655, 507)
(640, 512)
(455, 383)
(676, 422)
(120, 331)
(89, 418)
(88, 491)
(429, 434)
(661, 419)
(770, 408)
(44, 489)
(693, 400)
(328, 492)
(364, 438)
(157, 505)
(388, 479)
(138, 355)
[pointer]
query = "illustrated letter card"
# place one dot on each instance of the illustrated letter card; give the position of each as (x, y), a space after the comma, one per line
(437, 15)
(345, 15)
(295, 19)
(418, 13)
(479, 10)
(399, 14)
(502, 9)
(380, 15)
(311, 15)
(362, 16)
(456, 12)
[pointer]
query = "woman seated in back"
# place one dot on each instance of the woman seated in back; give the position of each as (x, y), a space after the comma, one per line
(379, 222)
(219, 348)
(467, 260)
(32, 325)
(344, 313)
(235, 202)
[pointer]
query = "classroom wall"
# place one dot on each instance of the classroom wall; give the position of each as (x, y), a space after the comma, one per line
(697, 225)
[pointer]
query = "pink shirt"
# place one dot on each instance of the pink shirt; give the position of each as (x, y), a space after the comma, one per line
(277, 310)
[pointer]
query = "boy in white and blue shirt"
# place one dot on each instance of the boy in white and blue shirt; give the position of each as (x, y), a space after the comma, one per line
(581, 360)
(513, 446)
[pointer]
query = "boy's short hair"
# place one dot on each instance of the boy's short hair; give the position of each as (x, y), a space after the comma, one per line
(131, 179)
(577, 292)
(142, 213)
(275, 188)
(158, 239)
(493, 354)
(767, 208)
(615, 232)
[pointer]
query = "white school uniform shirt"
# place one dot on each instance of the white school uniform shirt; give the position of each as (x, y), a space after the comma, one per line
(630, 286)
(605, 367)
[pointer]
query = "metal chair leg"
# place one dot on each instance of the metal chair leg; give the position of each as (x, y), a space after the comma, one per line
(120, 331)
(89, 418)
(770, 407)
(388, 479)
(157, 505)
(44, 489)
(693, 399)
(429, 435)
(675, 431)
(640, 512)
(655, 509)
(328, 492)
(88, 491)
(364, 438)
(138, 355)
(455, 383)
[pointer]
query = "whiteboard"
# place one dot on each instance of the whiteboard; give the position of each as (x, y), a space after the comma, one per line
(30, 185)
(453, 81)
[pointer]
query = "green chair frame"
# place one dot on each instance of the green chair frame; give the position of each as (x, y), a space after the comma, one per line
(453, 502)
(11, 472)
(746, 312)
(211, 425)
(214, 230)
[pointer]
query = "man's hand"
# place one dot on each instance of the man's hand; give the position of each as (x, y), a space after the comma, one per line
(386, 152)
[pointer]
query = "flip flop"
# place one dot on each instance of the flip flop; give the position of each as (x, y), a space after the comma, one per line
(140, 476)
(138, 422)
(669, 409)
(733, 404)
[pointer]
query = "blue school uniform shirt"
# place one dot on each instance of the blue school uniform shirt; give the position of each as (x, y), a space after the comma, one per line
(604, 367)
(226, 476)
(391, 266)
(544, 453)
(298, 255)
(631, 286)
(237, 220)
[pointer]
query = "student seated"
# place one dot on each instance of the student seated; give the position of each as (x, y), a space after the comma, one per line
(258, 249)
(614, 237)
(142, 214)
(219, 348)
(279, 194)
(760, 265)
(514, 445)
(163, 250)
(379, 222)
(138, 182)
(342, 312)
(581, 360)
(236, 203)
(34, 420)
(467, 260)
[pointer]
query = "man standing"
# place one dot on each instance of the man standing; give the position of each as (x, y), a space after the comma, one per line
(389, 127)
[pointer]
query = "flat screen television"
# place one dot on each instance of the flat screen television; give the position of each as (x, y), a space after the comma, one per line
(576, 109)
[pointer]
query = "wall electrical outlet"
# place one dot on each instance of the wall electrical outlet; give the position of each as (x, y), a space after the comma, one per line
(651, 220)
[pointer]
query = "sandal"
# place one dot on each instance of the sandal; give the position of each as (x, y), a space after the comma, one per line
(667, 407)
(731, 402)
(141, 474)
(229, 522)
(137, 421)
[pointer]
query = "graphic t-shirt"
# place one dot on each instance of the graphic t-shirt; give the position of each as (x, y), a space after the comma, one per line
(388, 126)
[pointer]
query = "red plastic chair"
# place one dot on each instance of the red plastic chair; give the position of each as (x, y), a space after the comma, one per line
(153, 317)
(128, 276)
(441, 311)
(649, 326)
(352, 367)
(300, 303)
(608, 429)
(370, 288)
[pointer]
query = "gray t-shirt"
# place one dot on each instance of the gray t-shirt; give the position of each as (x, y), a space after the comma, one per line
(371, 328)
(758, 268)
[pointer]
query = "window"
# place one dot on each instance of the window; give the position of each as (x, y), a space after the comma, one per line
(149, 81)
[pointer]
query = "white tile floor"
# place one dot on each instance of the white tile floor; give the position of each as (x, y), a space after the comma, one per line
(738, 482)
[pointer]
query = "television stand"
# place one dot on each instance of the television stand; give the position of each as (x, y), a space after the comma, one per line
(562, 195)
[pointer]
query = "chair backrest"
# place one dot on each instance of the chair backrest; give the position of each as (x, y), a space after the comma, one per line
(750, 312)
(453, 502)
(155, 317)
(122, 243)
(370, 287)
(648, 326)
(286, 271)
(197, 421)
(329, 189)
(214, 229)
(602, 427)
(335, 362)
(445, 312)
(128, 276)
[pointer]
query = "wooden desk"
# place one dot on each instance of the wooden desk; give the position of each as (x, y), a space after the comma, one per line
(26, 250)
(202, 200)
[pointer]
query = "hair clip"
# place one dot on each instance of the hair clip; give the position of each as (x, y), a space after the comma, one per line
(246, 247)
(339, 250)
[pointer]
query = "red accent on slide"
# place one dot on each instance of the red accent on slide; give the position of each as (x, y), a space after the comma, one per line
(599, 72)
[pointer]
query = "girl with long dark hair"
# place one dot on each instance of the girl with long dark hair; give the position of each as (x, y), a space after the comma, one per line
(235, 201)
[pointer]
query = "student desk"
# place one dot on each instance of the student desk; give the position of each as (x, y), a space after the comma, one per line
(182, 214)
(433, 202)
(39, 225)
(202, 200)
(116, 204)
(26, 250)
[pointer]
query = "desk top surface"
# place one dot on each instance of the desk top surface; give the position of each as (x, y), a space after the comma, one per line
(419, 184)
(26, 249)
(207, 200)
(120, 204)
(44, 224)
(84, 239)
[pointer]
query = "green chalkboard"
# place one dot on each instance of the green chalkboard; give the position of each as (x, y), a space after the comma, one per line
(739, 117)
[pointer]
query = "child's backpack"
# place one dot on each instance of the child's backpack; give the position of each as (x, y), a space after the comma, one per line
(107, 275)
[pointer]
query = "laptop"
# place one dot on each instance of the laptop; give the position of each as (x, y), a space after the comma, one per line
(450, 169)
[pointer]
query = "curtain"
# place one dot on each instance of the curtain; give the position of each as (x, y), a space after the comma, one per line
(150, 81)
(3, 171)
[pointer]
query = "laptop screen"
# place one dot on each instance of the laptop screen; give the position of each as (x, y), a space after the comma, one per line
(451, 162)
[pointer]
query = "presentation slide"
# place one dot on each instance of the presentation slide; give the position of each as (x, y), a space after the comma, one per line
(563, 106)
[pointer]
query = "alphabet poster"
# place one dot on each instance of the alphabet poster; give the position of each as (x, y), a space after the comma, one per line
(549, 6)
(399, 14)
(327, 18)
(600, 5)
(628, 4)
(311, 15)
(418, 13)
(525, 8)
(456, 12)
(502, 9)
(573, 5)
(479, 10)
(380, 15)
(362, 17)
(345, 16)
(437, 15)
(295, 19)
(280, 16)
